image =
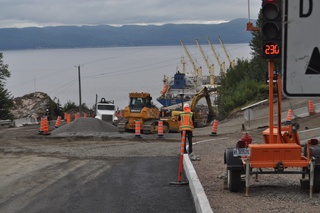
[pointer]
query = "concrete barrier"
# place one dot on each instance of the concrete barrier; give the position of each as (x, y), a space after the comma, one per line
(5, 123)
(309, 133)
(25, 121)
(264, 122)
(317, 108)
(199, 197)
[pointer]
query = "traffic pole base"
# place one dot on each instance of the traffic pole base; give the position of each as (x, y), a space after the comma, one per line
(178, 183)
(213, 134)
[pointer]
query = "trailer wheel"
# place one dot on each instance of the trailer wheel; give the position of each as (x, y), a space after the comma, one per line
(316, 181)
(234, 180)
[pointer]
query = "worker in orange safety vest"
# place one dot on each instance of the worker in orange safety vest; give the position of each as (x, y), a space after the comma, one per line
(186, 119)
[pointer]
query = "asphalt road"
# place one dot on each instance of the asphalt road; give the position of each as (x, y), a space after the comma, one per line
(34, 180)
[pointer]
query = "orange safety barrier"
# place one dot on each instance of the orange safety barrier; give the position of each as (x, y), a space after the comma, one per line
(137, 129)
(214, 128)
(289, 116)
(160, 129)
(45, 127)
(57, 125)
(85, 115)
(311, 107)
(41, 125)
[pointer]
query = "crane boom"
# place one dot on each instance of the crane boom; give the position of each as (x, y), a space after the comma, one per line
(225, 51)
(196, 70)
(210, 67)
(221, 65)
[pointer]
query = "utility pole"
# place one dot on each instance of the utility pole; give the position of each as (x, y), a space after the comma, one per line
(79, 78)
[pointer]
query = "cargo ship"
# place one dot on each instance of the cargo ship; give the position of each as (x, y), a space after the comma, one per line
(179, 88)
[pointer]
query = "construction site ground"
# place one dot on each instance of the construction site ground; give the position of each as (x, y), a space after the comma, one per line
(62, 173)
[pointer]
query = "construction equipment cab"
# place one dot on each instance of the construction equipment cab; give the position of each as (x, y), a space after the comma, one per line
(140, 109)
(105, 110)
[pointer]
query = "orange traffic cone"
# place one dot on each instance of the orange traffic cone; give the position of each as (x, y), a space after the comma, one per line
(160, 129)
(289, 116)
(137, 129)
(68, 118)
(214, 128)
(46, 127)
(311, 107)
(57, 125)
(41, 126)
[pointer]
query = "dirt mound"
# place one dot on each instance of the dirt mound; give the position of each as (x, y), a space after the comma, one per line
(85, 127)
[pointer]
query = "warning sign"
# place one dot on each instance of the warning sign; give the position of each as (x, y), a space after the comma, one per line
(314, 64)
(301, 43)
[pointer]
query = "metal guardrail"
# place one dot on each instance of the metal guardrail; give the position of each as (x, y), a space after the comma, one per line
(5, 122)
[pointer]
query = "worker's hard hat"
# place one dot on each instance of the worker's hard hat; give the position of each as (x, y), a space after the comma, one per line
(186, 105)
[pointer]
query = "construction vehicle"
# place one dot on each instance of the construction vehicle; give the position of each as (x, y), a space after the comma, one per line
(281, 152)
(203, 117)
(141, 109)
(105, 110)
(198, 115)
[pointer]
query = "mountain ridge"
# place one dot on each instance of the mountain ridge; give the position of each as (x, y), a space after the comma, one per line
(126, 35)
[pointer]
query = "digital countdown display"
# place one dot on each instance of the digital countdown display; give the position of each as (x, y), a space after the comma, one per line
(271, 50)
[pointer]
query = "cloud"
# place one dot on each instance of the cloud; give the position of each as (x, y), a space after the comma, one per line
(21, 13)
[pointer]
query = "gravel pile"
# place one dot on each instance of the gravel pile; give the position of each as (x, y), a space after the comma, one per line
(85, 127)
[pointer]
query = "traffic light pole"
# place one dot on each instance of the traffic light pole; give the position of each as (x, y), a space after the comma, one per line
(271, 99)
(270, 71)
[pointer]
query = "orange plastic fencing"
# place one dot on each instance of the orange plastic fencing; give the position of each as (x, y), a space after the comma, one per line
(137, 129)
(311, 107)
(214, 128)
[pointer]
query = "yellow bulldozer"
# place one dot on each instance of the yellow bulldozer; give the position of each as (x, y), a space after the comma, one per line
(141, 109)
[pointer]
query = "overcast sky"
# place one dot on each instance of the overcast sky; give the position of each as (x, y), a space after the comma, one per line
(26, 13)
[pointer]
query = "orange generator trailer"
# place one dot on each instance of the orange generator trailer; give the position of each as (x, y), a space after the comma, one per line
(280, 152)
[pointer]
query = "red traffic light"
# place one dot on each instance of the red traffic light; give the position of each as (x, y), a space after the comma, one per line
(271, 28)
(270, 10)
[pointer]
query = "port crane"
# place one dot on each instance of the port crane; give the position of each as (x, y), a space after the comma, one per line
(232, 62)
(198, 71)
(210, 67)
(222, 65)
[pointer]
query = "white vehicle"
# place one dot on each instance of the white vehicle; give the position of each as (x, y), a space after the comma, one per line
(105, 110)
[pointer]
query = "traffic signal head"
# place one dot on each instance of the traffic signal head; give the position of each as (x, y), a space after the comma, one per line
(271, 28)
